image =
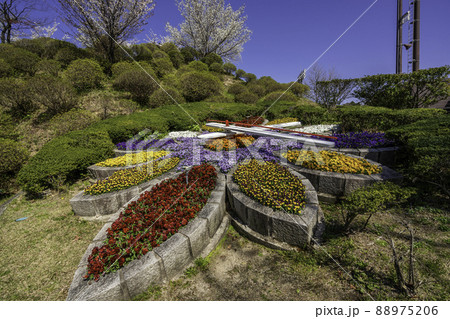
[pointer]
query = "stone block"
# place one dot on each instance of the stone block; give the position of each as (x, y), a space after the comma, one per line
(352, 151)
(373, 155)
(355, 181)
(213, 215)
(312, 175)
(143, 273)
(387, 156)
(290, 229)
(101, 235)
(259, 218)
(107, 204)
(197, 231)
(239, 207)
(331, 183)
(311, 197)
(363, 152)
(84, 205)
(217, 197)
(175, 254)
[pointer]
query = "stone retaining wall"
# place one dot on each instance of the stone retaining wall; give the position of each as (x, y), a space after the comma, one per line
(331, 185)
(100, 172)
(197, 239)
(274, 225)
(106, 204)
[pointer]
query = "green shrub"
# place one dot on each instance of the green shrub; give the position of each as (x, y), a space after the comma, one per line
(162, 66)
(197, 86)
(69, 54)
(16, 97)
(176, 58)
(22, 61)
(142, 52)
(246, 97)
(5, 69)
(257, 89)
(55, 94)
(63, 159)
(229, 68)
(299, 90)
(51, 67)
(360, 118)
(426, 151)
(7, 123)
(171, 80)
(12, 157)
(237, 88)
(307, 114)
(75, 119)
(372, 199)
(122, 67)
(198, 66)
(280, 96)
(409, 90)
(211, 58)
(189, 54)
(216, 67)
(165, 97)
(221, 98)
(138, 83)
(269, 84)
(159, 54)
(168, 46)
(249, 77)
(84, 74)
(239, 73)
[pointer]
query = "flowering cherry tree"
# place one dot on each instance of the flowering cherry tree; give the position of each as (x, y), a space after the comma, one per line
(106, 23)
(211, 26)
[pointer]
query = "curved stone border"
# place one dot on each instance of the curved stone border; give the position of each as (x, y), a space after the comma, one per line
(197, 239)
(382, 155)
(331, 185)
(108, 203)
(275, 227)
(100, 172)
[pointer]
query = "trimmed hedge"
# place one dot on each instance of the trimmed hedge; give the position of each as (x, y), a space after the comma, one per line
(367, 118)
(84, 74)
(426, 150)
(12, 157)
(307, 114)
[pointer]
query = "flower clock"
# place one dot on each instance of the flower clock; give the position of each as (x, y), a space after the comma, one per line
(153, 218)
(271, 185)
(331, 162)
(283, 120)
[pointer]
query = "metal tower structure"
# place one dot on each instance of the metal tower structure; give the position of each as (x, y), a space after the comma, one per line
(413, 56)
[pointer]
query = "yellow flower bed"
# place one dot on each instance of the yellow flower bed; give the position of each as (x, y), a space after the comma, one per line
(271, 185)
(331, 162)
(211, 129)
(132, 176)
(133, 159)
(283, 120)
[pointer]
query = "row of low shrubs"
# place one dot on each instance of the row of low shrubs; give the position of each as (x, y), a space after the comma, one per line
(426, 151)
(65, 157)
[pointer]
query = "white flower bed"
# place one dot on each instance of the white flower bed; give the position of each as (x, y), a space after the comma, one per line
(319, 128)
(182, 134)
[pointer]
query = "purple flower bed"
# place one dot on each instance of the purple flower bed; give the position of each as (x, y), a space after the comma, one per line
(137, 144)
(361, 140)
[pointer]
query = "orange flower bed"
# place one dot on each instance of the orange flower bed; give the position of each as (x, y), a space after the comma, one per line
(226, 144)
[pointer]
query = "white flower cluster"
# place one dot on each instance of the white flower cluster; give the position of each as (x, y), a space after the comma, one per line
(319, 128)
(182, 134)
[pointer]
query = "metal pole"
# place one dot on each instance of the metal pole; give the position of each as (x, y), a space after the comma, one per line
(398, 49)
(416, 37)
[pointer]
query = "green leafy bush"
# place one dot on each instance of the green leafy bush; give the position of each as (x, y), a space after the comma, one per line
(237, 88)
(165, 97)
(84, 74)
(176, 58)
(366, 118)
(16, 97)
(122, 67)
(249, 77)
(56, 95)
(51, 67)
(162, 66)
(239, 73)
(12, 157)
(229, 68)
(5, 69)
(299, 90)
(399, 91)
(216, 67)
(75, 119)
(246, 97)
(67, 55)
(138, 83)
(269, 84)
(159, 54)
(63, 159)
(22, 61)
(255, 88)
(211, 58)
(7, 123)
(372, 199)
(426, 151)
(142, 52)
(197, 86)
(280, 96)
(198, 66)
(189, 54)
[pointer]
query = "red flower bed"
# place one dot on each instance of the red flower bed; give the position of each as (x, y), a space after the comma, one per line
(152, 219)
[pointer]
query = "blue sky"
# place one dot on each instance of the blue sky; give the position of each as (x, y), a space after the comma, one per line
(288, 35)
